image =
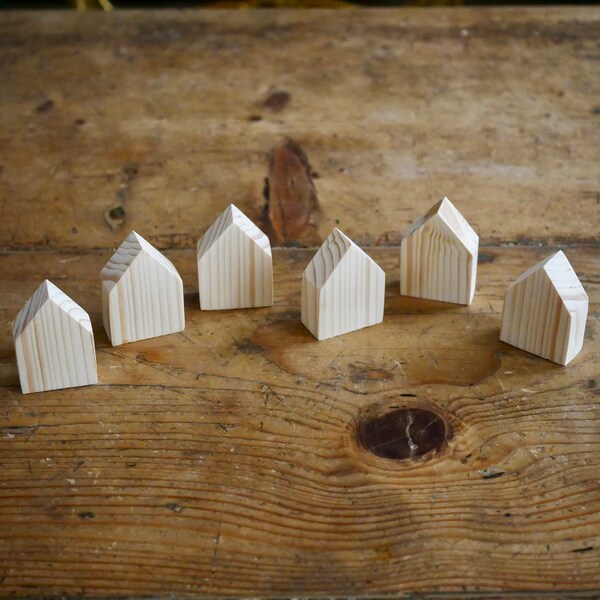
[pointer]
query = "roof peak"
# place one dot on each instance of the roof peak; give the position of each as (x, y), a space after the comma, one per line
(561, 274)
(124, 256)
(232, 215)
(452, 218)
(329, 256)
(44, 293)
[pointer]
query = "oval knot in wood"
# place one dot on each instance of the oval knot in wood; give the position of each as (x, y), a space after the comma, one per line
(403, 433)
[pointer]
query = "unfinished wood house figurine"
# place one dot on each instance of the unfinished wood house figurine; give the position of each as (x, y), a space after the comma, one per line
(545, 311)
(438, 256)
(54, 342)
(235, 267)
(343, 289)
(142, 293)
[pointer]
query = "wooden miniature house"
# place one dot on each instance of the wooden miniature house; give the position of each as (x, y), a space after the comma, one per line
(142, 293)
(438, 256)
(343, 289)
(235, 267)
(545, 311)
(54, 342)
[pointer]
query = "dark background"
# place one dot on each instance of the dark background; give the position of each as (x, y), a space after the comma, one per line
(108, 4)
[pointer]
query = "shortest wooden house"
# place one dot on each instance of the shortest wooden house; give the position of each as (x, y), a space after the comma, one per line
(142, 293)
(343, 289)
(54, 342)
(438, 256)
(545, 311)
(235, 267)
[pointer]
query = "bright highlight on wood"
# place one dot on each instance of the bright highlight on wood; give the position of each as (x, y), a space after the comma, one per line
(142, 293)
(54, 342)
(235, 267)
(343, 289)
(545, 311)
(438, 256)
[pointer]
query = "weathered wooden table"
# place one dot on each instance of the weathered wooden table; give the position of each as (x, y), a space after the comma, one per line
(237, 458)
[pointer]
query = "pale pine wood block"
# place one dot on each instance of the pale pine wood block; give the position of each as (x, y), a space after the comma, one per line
(235, 266)
(545, 311)
(438, 256)
(54, 342)
(343, 289)
(142, 293)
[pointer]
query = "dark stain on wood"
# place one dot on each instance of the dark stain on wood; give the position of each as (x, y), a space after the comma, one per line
(130, 172)
(485, 258)
(291, 207)
(247, 346)
(361, 372)
(115, 217)
(277, 100)
(581, 550)
(403, 433)
(45, 106)
(86, 514)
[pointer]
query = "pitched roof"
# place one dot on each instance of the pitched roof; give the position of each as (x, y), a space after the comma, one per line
(456, 224)
(132, 247)
(562, 275)
(329, 257)
(232, 215)
(48, 292)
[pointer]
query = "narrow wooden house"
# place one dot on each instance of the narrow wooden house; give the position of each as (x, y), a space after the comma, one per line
(438, 256)
(235, 267)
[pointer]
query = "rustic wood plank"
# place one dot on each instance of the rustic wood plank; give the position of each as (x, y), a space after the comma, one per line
(242, 457)
(152, 121)
(224, 460)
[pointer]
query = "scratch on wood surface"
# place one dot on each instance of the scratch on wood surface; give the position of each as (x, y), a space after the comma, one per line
(217, 540)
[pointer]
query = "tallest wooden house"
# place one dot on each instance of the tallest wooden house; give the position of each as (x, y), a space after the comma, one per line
(438, 256)
(235, 267)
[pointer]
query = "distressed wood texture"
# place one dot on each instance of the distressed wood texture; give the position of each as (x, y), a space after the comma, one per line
(225, 460)
(497, 109)
(242, 457)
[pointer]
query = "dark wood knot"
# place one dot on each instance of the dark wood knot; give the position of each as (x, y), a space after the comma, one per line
(403, 433)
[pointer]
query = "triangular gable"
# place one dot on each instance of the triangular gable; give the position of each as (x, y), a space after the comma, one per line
(124, 258)
(328, 257)
(455, 226)
(229, 217)
(46, 293)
